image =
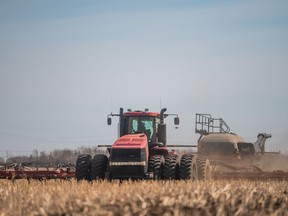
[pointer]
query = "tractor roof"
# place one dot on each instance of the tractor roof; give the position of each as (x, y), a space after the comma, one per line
(142, 113)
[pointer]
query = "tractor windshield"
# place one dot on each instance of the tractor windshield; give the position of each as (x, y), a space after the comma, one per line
(141, 124)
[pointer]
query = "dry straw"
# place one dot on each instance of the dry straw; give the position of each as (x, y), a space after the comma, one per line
(55, 197)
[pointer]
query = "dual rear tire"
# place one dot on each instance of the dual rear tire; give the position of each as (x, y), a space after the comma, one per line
(171, 167)
(155, 166)
(98, 167)
(161, 168)
(90, 169)
(204, 169)
(189, 168)
(192, 168)
(83, 167)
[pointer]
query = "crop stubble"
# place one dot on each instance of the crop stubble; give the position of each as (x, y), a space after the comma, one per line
(55, 197)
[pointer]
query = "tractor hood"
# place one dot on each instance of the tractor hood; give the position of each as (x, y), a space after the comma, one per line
(132, 141)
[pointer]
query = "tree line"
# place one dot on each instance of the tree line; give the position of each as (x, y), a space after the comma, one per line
(53, 157)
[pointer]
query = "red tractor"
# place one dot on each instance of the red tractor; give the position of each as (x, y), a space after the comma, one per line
(141, 152)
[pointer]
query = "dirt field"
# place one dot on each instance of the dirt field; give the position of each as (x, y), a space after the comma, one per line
(143, 198)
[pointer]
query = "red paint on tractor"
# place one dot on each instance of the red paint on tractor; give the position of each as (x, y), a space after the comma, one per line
(132, 141)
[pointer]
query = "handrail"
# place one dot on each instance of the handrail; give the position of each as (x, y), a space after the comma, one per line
(205, 124)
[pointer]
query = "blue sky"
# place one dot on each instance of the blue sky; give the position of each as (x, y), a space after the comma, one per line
(64, 65)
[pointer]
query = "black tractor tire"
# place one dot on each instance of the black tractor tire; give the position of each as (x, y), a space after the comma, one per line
(155, 165)
(83, 166)
(204, 169)
(188, 168)
(171, 167)
(98, 167)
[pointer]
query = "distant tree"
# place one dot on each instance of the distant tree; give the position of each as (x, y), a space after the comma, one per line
(43, 157)
(2, 160)
(56, 156)
(18, 159)
(35, 153)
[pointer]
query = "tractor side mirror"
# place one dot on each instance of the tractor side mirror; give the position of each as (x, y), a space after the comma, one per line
(109, 121)
(176, 121)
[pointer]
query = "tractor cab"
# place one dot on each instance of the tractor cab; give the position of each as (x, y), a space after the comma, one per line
(150, 123)
(142, 122)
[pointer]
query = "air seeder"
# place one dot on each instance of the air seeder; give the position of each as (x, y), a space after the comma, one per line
(228, 153)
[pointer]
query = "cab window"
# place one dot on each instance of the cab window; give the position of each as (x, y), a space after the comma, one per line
(141, 125)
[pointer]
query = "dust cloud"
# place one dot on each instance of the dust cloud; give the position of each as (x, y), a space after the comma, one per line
(273, 162)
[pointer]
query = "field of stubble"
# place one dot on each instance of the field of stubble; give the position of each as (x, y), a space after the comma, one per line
(143, 198)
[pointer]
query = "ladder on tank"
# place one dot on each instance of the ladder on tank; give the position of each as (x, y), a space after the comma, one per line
(206, 124)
